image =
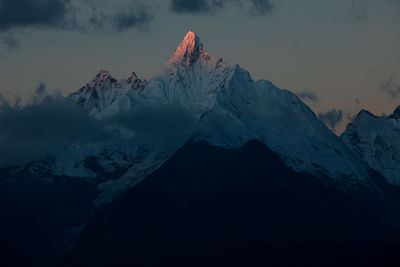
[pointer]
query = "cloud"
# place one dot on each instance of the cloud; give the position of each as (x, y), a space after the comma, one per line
(261, 7)
(193, 6)
(40, 94)
(160, 125)
(35, 13)
(257, 7)
(9, 41)
(350, 117)
(390, 86)
(331, 118)
(360, 9)
(308, 96)
(19, 16)
(41, 89)
(132, 17)
(49, 124)
(38, 130)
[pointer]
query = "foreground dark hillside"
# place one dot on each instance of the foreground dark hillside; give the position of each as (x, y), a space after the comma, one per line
(39, 221)
(208, 206)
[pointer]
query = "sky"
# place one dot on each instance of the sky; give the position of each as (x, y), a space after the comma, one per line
(339, 56)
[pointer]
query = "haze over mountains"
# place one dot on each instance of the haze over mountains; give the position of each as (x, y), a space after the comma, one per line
(152, 128)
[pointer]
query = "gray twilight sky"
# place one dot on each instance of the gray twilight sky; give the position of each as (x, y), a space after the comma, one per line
(336, 54)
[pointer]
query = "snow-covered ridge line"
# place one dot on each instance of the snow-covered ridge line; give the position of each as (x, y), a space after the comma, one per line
(229, 109)
(104, 90)
(210, 88)
(376, 140)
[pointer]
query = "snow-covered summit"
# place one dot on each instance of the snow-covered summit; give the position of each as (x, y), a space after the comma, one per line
(231, 109)
(103, 76)
(228, 108)
(364, 115)
(100, 93)
(190, 49)
(376, 139)
(190, 78)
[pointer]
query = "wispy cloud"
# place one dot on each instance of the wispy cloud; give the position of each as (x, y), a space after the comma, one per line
(390, 85)
(331, 118)
(257, 7)
(134, 16)
(308, 95)
(360, 9)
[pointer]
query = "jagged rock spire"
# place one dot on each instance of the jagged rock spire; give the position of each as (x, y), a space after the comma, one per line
(190, 50)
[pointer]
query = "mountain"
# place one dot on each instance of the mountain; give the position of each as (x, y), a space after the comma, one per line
(104, 90)
(376, 140)
(197, 97)
(210, 206)
(230, 109)
(223, 106)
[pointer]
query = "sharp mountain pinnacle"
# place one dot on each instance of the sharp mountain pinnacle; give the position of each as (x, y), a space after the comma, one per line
(190, 50)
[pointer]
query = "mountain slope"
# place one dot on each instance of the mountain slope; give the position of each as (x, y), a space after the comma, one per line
(227, 109)
(230, 109)
(208, 100)
(104, 90)
(207, 203)
(377, 141)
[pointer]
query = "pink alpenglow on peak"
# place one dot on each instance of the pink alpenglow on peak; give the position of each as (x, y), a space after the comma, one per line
(190, 50)
(103, 75)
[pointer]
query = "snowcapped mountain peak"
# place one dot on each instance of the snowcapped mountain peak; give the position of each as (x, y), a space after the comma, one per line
(190, 50)
(226, 108)
(104, 90)
(103, 75)
(376, 139)
(396, 112)
(136, 83)
(133, 76)
(364, 115)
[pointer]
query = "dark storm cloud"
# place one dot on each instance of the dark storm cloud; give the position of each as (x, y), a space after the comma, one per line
(17, 16)
(37, 130)
(35, 13)
(331, 118)
(50, 123)
(193, 6)
(308, 96)
(258, 7)
(159, 125)
(390, 86)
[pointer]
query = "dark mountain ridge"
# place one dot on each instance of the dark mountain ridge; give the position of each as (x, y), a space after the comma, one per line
(210, 206)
